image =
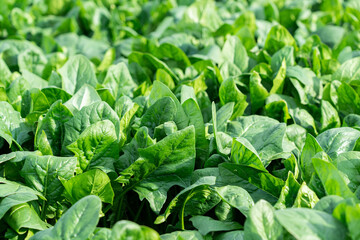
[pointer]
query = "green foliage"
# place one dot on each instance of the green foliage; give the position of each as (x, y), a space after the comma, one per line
(179, 119)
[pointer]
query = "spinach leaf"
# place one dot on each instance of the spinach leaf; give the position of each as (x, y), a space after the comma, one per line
(78, 222)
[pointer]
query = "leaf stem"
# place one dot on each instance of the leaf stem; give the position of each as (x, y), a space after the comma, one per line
(139, 211)
(182, 217)
(43, 210)
(107, 208)
(119, 209)
(182, 213)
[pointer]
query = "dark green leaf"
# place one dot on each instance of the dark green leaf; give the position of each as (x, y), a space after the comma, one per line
(163, 110)
(78, 222)
(167, 163)
(42, 174)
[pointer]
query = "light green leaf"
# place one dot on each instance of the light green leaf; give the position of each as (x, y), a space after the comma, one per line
(181, 235)
(242, 152)
(331, 178)
(353, 220)
(283, 57)
(238, 235)
(32, 61)
(228, 92)
(223, 115)
(348, 163)
(236, 197)
(126, 115)
(76, 72)
(93, 182)
(261, 223)
(348, 72)
(129, 230)
(348, 100)
(338, 140)
(87, 116)
(329, 116)
(44, 145)
(279, 80)
(311, 148)
(119, 81)
(258, 92)
(96, 147)
(85, 96)
(288, 192)
(306, 197)
(234, 52)
(265, 135)
(53, 126)
(203, 12)
(192, 110)
(206, 225)
(22, 217)
(277, 38)
(305, 223)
